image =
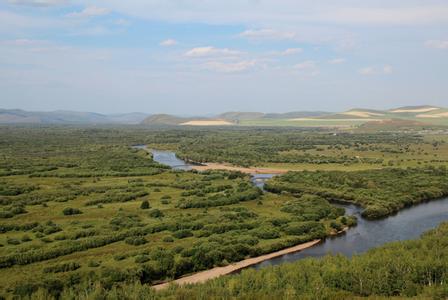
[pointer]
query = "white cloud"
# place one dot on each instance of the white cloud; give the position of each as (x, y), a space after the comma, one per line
(399, 15)
(367, 71)
(23, 42)
(371, 70)
(168, 43)
(122, 22)
(289, 51)
(37, 2)
(437, 44)
(308, 64)
(387, 69)
(91, 11)
(230, 67)
(204, 52)
(269, 34)
(308, 67)
(287, 12)
(33, 46)
(337, 61)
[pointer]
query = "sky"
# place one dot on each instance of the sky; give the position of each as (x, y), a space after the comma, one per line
(191, 57)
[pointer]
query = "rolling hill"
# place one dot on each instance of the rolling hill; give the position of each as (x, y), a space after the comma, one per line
(18, 116)
(425, 114)
(408, 115)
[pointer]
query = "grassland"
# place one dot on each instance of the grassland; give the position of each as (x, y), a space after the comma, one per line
(80, 205)
(314, 149)
(80, 208)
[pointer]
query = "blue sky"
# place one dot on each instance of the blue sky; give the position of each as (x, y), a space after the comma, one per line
(203, 57)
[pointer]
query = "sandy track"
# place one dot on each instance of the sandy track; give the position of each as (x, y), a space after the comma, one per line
(220, 271)
(207, 123)
(251, 170)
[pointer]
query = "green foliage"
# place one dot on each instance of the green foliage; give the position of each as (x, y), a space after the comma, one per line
(156, 213)
(71, 211)
(136, 241)
(380, 192)
(411, 269)
(145, 204)
(65, 267)
(198, 220)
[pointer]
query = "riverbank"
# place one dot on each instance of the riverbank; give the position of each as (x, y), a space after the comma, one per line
(250, 170)
(220, 271)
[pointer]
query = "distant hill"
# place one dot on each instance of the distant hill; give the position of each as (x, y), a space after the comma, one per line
(17, 116)
(229, 118)
(409, 115)
(164, 119)
(424, 113)
(296, 114)
(129, 118)
(238, 116)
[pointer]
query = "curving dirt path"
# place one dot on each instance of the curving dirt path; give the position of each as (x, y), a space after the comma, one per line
(220, 271)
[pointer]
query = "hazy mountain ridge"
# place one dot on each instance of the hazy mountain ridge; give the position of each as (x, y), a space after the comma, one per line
(424, 114)
(411, 113)
(18, 116)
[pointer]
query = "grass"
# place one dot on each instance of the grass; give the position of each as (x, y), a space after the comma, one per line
(97, 164)
(111, 183)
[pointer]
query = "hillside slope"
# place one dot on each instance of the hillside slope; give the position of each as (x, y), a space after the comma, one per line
(18, 116)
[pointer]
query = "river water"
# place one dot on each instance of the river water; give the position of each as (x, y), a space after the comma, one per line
(407, 224)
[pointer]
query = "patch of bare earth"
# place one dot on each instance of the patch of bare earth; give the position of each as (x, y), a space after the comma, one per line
(207, 123)
(220, 271)
(416, 110)
(251, 170)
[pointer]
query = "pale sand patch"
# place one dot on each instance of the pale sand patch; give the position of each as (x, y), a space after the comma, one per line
(362, 114)
(435, 116)
(251, 170)
(333, 120)
(417, 110)
(207, 123)
(220, 271)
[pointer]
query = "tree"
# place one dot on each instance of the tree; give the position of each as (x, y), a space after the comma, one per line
(145, 204)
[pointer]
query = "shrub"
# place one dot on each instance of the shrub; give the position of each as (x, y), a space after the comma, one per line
(168, 239)
(93, 264)
(145, 204)
(142, 258)
(12, 241)
(155, 213)
(26, 238)
(181, 234)
(267, 233)
(136, 241)
(336, 226)
(71, 211)
(302, 227)
(66, 267)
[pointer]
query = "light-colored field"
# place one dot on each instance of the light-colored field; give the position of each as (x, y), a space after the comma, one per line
(435, 116)
(220, 271)
(336, 120)
(362, 114)
(207, 123)
(416, 110)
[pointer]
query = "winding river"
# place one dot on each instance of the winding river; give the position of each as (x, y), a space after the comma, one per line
(407, 224)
